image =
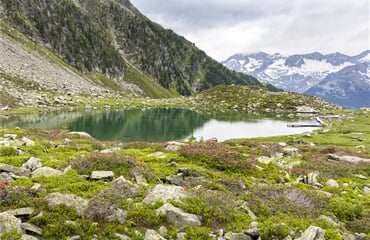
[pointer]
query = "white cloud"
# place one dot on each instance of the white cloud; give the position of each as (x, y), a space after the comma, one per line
(223, 28)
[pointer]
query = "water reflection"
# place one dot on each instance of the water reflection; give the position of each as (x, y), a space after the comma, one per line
(158, 124)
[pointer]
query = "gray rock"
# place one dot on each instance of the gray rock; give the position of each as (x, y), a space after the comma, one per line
(265, 160)
(313, 233)
(350, 159)
(332, 183)
(32, 164)
(254, 233)
(102, 175)
(163, 231)
(178, 217)
(46, 171)
(9, 223)
(21, 211)
(245, 206)
(291, 151)
(348, 236)
(28, 237)
(367, 190)
(56, 199)
(361, 236)
(15, 170)
(10, 136)
(37, 188)
(172, 147)
(237, 236)
(28, 142)
(152, 235)
(165, 193)
(5, 177)
(28, 227)
(122, 237)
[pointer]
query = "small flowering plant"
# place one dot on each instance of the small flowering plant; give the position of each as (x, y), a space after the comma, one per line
(2, 187)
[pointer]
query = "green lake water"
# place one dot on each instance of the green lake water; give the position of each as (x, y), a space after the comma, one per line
(159, 124)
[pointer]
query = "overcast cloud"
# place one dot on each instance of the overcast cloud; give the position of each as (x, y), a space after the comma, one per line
(224, 27)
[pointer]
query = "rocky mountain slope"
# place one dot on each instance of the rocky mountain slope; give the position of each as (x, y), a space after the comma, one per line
(299, 73)
(110, 39)
(349, 87)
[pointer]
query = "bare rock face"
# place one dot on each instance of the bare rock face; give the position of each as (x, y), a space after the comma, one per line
(56, 199)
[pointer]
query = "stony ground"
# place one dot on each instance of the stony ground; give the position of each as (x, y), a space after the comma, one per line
(64, 185)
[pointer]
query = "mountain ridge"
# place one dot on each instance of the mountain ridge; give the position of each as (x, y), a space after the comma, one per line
(104, 37)
(301, 72)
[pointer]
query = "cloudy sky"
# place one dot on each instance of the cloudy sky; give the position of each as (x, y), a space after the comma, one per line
(224, 27)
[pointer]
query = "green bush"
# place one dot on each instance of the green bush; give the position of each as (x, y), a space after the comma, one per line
(345, 211)
(8, 151)
(144, 215)
(197, 233)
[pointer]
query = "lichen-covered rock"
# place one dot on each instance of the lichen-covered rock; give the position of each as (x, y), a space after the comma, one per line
(9, 223)
(237, 236)
(313, 233)
(78, 203)
(179, 217)
(31, 228)
(15, 170)
(102, 175)
(21, 211)
(165, 193)
(28, 142)
(32, 164)
(332, 183)
(152, 235)
(46, 171)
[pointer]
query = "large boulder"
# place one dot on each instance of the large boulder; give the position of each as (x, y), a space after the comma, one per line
(165, 193)
(32, 164)
(9, 223)
(15, 170)
(46, 171)
(77, 203)
(179, 217)
(313, 233)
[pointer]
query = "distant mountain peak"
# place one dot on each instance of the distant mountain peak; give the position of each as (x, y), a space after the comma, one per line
(301, 72)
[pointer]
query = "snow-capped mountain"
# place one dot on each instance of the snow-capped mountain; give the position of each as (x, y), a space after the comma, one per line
(334, 77)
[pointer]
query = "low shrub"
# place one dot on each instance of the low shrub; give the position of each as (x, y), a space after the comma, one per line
(197, 233)
(8, 151)
(120, 163)
(215, 155)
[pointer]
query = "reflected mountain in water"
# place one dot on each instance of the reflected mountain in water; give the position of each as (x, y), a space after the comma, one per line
(150, 125)
(159, 124)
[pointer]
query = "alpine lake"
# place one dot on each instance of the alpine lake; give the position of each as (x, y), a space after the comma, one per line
(162, 124)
